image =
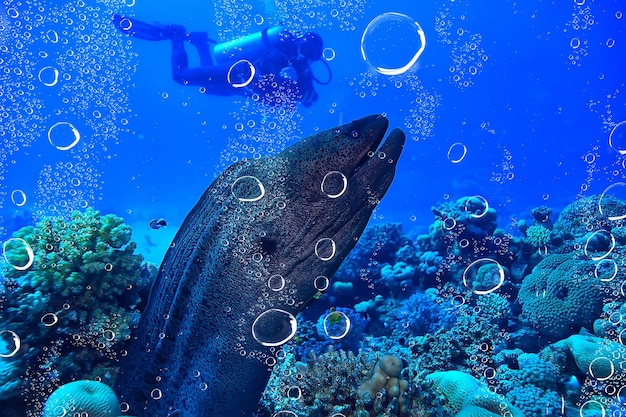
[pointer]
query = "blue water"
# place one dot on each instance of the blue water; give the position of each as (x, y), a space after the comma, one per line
(511, 101)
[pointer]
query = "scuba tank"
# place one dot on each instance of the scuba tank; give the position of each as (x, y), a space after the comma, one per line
(248, 47)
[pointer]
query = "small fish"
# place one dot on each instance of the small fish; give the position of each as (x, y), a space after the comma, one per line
(157, 223)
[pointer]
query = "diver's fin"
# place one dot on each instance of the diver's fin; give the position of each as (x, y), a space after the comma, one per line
(148, 31)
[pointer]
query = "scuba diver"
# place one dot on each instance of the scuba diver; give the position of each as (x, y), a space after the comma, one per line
(275, 64)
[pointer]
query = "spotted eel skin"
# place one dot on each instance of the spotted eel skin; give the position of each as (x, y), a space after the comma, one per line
(263, 240)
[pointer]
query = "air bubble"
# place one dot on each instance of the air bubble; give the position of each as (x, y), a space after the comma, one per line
(336, 325)
(248, 189)
(608, 208)
(325, 249)
(49, 319)
(241, 73)
(18, 197)
(274, 327)
(617, 138)
(11, 345)
(156, 394)
(20, 252)
(109, 335)
(334, 184)
(606, 270)
(276, 282)
(457, 152)
(483, 276)
(48, 76)
(477, 206)
(63, 135)
(384, 43)
(321, 283)
(600, 254)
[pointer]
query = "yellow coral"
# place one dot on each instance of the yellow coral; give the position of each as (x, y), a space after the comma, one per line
(386, 375)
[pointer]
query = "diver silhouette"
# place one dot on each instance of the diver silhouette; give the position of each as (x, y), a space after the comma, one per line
(274, 64)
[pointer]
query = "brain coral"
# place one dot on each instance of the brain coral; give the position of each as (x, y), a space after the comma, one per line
(72, 290)
(561, 295)
(462, 391)
(600, 358)
(78, 398)
(585, 215)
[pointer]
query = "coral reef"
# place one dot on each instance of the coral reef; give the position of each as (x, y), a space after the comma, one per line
(73, 290)
(473, 321)
(305, 387)
(421, 313)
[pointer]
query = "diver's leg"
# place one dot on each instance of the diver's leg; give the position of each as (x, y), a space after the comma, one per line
(180, 61)
(201, 41)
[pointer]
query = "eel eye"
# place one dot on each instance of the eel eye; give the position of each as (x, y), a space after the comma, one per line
(268, 245)
(354, 134)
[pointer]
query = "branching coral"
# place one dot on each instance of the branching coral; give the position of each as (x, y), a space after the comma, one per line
(421, 313)
(321, 386)
(538, 236)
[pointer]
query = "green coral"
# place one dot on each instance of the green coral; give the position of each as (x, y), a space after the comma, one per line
(562, 295)
(72, 286)
(538, 236)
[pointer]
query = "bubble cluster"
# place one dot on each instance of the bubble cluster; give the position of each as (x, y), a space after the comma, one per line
(237, 18)
(65, 69)
(258, 130)
(65, 187)
(422, 113)
(344, 14)
(420, 120)
(590, 159)
(607, 107)
(505, 171)
(465, 50)
(582, 20)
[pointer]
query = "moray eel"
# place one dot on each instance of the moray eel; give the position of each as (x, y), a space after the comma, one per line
(262, 241)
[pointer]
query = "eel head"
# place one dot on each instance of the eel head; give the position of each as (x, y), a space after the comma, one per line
(326, 187)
